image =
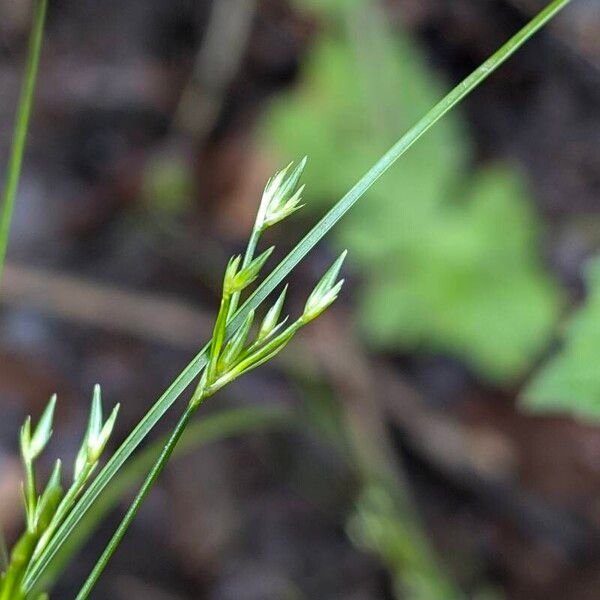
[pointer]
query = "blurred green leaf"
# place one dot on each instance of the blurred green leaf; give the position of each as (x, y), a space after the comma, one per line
(570, 381)
(470, 285)
(167, 185)
(380, 524)
(450, 259)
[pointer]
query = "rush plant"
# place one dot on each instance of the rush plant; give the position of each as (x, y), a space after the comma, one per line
(52, 515)
(45, 511)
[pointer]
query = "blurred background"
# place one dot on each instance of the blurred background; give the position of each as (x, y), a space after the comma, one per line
(433, 436)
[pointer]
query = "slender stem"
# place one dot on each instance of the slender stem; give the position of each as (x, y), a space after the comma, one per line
(218, 337)
(30, 493)
(248, 256)
(63, 509)
(19, 559)
(21, 125)
(135, 506)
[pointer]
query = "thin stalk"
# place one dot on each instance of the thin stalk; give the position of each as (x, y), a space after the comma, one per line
(278, 275)
(30, 494)
(135, 506)
(248, 256)
(21, 126)
(218, 335)
(63, 509)
(221, 425)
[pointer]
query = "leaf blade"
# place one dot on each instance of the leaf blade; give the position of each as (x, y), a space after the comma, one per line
(20, 128)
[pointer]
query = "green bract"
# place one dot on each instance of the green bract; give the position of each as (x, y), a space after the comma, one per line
(46, 512)
(281, 198)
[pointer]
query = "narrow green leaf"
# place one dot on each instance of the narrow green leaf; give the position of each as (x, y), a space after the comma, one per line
(21, 126)
(221, 425)
(278, 275)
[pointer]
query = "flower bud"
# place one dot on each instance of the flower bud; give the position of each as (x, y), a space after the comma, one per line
(32, 445)
(325, 292)
(280, 198)
(96, 436)
(236, 344)
(269, 325)
(238, 281)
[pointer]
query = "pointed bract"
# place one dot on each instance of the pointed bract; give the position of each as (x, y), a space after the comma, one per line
(25, 439)
(269, 324)
(248, 274)
(95, 422)
(81, 459)
(50, 498)
(325, 292)
(268, 351)
(43, 432)
(326, 301)
(278, 213)
(236, 343)
(96, 436)
(280, 198)
(55, 477)
(54, 483)
(271, 190)
(292, 181)
(230, 273)
(105, 433)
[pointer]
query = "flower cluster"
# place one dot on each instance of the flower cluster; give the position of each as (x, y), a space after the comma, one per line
(46, 511)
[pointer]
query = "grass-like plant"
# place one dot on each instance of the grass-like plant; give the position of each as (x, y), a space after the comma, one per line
(51, 516)
(15, 161)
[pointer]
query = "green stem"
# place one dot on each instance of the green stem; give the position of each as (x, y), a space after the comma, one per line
(135, 506)
(30, 493)
(248, 256)
(63, 509)
(220, 425)
(21, 125)
(20, 557)
(218, 337)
